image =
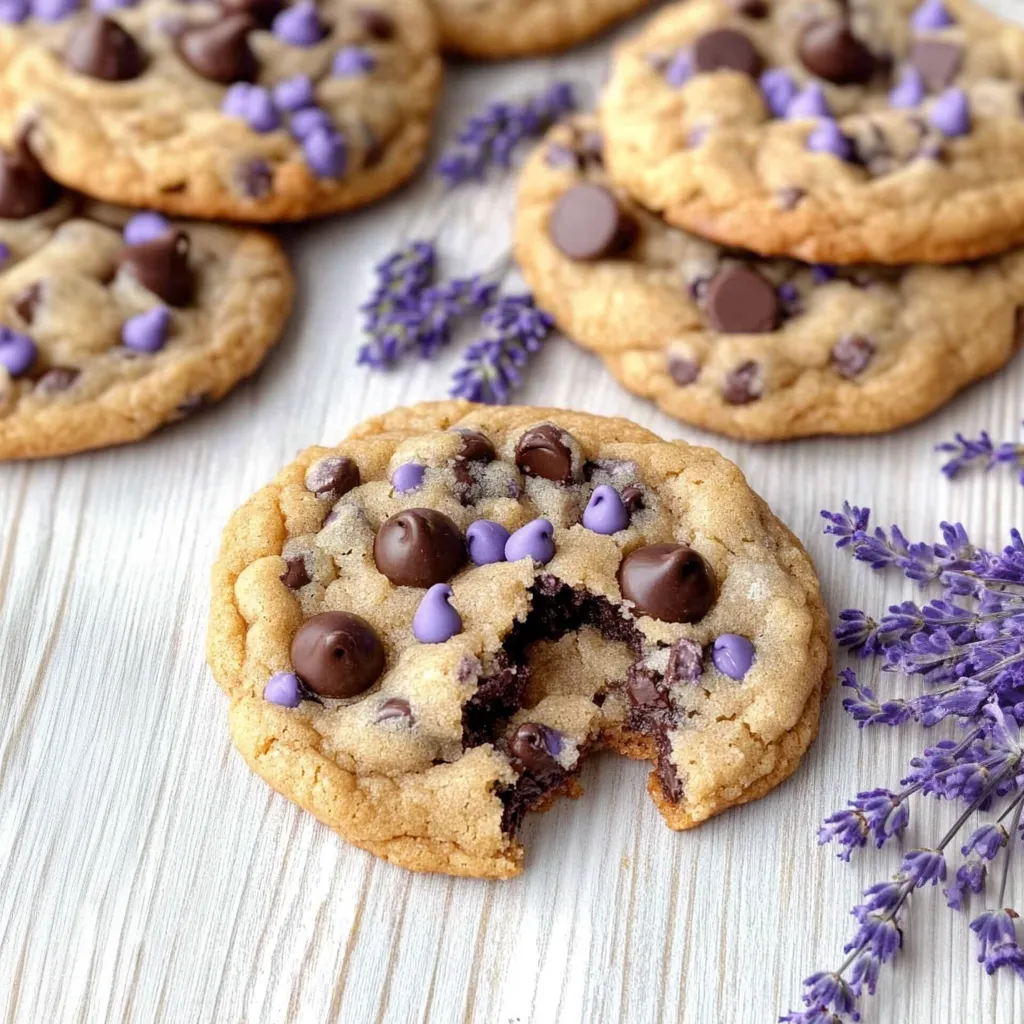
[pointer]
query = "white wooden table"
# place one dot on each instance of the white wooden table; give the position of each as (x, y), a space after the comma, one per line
(146, 875)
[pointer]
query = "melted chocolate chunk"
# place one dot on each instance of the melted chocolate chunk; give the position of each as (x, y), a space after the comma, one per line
(532, 748)
(671, 787)
(333, 477)
(476, 447)
(26, 301)
(295, 576)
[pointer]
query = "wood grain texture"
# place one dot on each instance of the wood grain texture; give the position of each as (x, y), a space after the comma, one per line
(146, 875)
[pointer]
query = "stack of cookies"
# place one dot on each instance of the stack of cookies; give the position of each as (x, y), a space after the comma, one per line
(766, 228)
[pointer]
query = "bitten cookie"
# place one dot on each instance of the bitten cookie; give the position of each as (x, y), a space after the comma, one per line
(752, 347)
(496, 29)
(247, 110)
(112, 325)
(877, 131)
(424, 630)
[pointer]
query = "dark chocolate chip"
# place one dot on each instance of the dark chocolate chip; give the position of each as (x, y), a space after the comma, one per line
(254, 178)
(262, 12)
(25, 189)
(633, 499)
(683, 370)
(467, 487)
(58, 378)
(220, 51)
(476, 447)
(851, 355)
(685, 659)
(192, 405)
(743, 384)
(337, 654)
(790, 197)
(332, 477)
(295, 575)
(162, 265)
(100, 48)
(375, 23)
(588, 223)
(418, 548)
(726, 49)
(26, 301)
(668, 777)
(751, 8)
(938, 61)
(670, 582)
(646, 693)
(532, 747)
(829, 49)
(741, 301)
(542, 452)
(396, 710)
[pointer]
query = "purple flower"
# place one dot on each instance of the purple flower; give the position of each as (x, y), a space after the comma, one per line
(489, 138)
(970, 878)
(967, 453)
(830, 990)
(986, 841)
(997, 941)
(923, 867)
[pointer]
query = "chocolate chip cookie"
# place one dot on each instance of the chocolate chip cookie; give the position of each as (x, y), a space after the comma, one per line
(833, 131)
(250, 110)
(111, 324)
(496, 29)
(425, 630)
(752, 347)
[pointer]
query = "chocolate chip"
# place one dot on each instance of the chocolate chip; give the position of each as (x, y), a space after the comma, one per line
(254, 178)
(633, 499)
(375, 23)
(790, 197)
(262, 12)
(337, 654)
(851, 355)
(588, 223)
(542, 452)
(418, 548)
(726, 49)
(193, 404)
(740, 301)
(670, 582)
(743, 384)
(830, 50)
(646, 692)
(100, 48)
(395, 710)
(532, 747)
(476, 447)
(668, 777)
(751, 8)
(332, 477)
(24, 187)
(220, 51)
(938, 62)
(27, 300)
(684, 663)
(162, 266)
(590, 147)
(58, 378)
(683, 370)
(295, 575)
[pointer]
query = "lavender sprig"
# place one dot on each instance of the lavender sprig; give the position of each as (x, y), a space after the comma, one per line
(489, 138)
(969, 646)
(970, 452)
(490, 369)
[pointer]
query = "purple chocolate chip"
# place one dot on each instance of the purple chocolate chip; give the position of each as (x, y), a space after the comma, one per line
(810, 102)
(53, 10)
(559, 155)
(148, 331)
(679, 69)
(779, 90)
(534, 540)
(260, 112)
(408, 477)
(13, 12)
(822, 273)
(236, 100)
(325, 153)
(932, 14)
(17, 352)
(352, 60)
(5, 255)
(283, 689)
(308, 120)
(733, 655)
(485, 541)
(436, 620)
(104, 6)
(829, 138)
(909, 91)
(789, 296)
(951, 113)
(605, 512)
(294, 93)
(145, 227)
(299, 25)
